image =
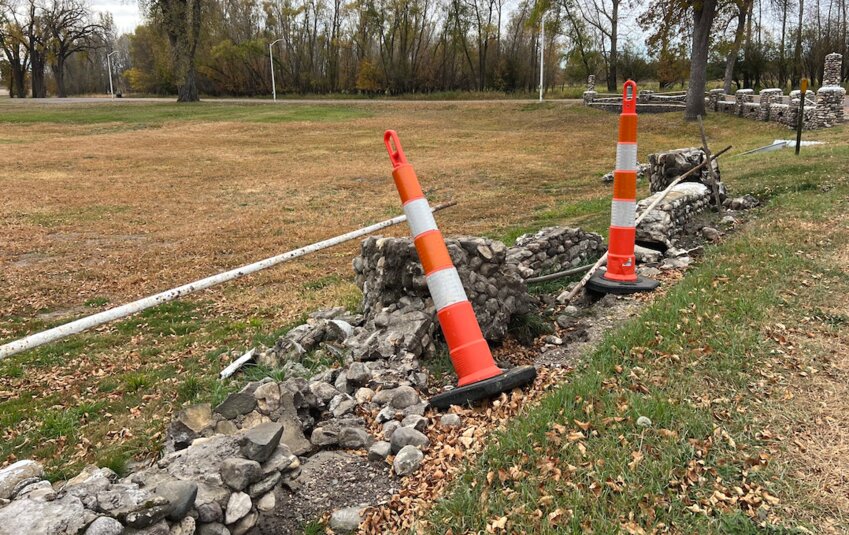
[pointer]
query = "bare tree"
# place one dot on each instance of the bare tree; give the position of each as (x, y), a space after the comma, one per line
(13, 46)
(743, 7)
(603, 15)
(72, 30)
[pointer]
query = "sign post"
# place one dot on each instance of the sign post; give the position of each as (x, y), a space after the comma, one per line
(801, 119)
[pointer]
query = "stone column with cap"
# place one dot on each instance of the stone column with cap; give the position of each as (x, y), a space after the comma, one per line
(830, 97)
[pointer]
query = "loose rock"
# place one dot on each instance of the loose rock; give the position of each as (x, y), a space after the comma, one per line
(408, 460)
(346, 520)
(407, 436)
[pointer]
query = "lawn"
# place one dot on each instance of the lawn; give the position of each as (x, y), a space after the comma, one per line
(104, 203)
(740, 371)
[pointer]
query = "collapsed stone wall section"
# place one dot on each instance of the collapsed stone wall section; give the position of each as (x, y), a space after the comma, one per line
(554, 249)
(388, 270)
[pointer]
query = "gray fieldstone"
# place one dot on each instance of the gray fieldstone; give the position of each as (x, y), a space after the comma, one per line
(379, 451)
(451, 420)
(105, 526)
(189, 424)
(181, 496)
(266, 503)
(404, 396)
(389, 429)
(268, 397)
(260, 442)
(64, 516)
(354, 438)
(346, 520)
(419, 423)
(209, 513)
(323, 437)
(407, 436)
(238, 473)
(245, 524)
(265, 485)
(238, 506)
(186, 526)
(215, 528)
(280, 460)
(408, 460)
(17, 472)
(236, 404)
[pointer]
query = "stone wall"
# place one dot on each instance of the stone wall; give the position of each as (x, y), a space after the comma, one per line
(554, 249)
(389, 269)
(666, 222)
(823, 109)
(664, 167)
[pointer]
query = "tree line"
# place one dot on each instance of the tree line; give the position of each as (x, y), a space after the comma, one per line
(222, 47)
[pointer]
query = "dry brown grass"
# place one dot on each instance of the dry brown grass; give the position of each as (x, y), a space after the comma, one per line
(112, 211)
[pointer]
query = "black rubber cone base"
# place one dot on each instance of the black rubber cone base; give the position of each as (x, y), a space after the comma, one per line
(466, 395)
(599, 284)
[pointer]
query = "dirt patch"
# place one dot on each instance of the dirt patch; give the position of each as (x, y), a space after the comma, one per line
(331, 480)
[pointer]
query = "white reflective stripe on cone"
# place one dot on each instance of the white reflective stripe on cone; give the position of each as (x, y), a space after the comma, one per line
(626, 157)
(445, 288)
(623, 213)
(419, 216)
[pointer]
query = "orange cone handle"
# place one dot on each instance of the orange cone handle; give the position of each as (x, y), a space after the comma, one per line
(620, 254)
(470, 353)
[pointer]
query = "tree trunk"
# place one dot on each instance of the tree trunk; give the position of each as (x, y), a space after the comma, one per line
(37, 62)
(614, 43)
(797, 54)
(18, 81)
(703, 15)
(59, 74)
(782, 55)
(188, 91)
(183, 28)
(731, 59)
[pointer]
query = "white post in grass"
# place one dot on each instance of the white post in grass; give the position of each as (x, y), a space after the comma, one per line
(109, 68)
(541, 56)
(271, 61)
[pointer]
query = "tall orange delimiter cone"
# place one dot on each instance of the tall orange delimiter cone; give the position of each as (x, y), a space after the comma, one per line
(478, 375)
(621, 276)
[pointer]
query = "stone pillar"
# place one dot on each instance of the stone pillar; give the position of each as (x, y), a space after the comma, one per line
(644, 96)
(833, 65)
(768, 97)
(591, 82)
(829, 107)
(741, 97)
(715, 96)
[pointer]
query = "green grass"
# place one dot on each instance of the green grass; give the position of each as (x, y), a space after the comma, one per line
(700, 342)
(152, 114)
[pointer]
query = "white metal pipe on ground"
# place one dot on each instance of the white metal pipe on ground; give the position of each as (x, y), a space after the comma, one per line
(77, 326)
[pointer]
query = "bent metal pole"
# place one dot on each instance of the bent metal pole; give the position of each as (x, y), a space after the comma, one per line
(74, 327)
(478, 376)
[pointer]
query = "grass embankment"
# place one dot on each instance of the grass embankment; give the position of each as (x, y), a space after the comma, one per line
(109, 202)
(712, 365)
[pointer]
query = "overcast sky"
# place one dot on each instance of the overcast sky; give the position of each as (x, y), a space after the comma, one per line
(125, 12)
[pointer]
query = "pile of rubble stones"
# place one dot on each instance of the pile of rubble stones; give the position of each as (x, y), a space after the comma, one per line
(222, 466)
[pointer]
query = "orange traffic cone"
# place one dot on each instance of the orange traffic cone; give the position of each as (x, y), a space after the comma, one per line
(621, 276)
(478, 375)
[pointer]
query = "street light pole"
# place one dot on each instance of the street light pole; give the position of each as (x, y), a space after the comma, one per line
(109, 66)
(541, 56)
(271, 61)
